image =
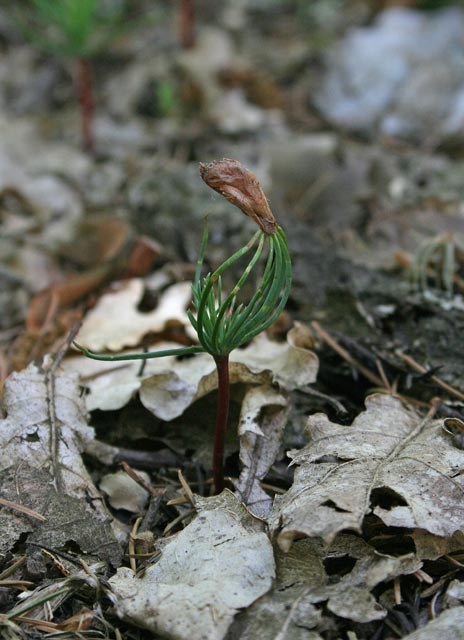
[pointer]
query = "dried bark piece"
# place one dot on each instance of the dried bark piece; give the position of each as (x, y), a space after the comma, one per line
(240, 187)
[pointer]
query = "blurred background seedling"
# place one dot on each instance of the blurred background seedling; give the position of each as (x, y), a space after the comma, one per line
(436, 264)
(77, 29)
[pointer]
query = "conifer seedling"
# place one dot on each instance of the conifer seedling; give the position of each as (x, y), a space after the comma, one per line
(221, 320)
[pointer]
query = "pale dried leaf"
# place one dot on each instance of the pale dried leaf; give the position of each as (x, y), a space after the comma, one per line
(301, 565)
(110, 385)
(228, 501)
(387, 446)
(447, 625)
(41, 441)
(455, 593)
(430, 547)
(302, 582)
(350, 596)
(283, 615)
(123, 492)
(292, 363)
(207, 572)
(115, 322)
(262, 422)
(169, 385)
(356, 603)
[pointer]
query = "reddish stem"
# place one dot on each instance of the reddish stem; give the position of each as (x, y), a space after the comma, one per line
(187, 24)
(223, 401)
(87, 103)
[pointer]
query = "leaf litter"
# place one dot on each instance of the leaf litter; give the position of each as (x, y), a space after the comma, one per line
(41, 444)
(207, 572)
(387, 448)
(402, 476)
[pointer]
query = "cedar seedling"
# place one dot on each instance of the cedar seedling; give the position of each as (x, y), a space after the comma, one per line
(222, 322)
(76, 29)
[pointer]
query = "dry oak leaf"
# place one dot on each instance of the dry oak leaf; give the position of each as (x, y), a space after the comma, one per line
(214, 567)
(263, 361)
(303, 582)
(430, 547)
(387, 449)
(169, 385)
(41, 441)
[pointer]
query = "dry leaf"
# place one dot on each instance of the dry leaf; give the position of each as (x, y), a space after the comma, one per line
(116, 323)
(447, 625)
(169, 385)
(41, 467)
(284, 615)
(302, 582)
(206, 573)
(292, 363)
(262, 422)
(123, 492)
(430, 547)
(386, 449)
(454, 594)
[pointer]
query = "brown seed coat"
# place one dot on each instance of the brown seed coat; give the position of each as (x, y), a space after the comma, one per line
(240, 187)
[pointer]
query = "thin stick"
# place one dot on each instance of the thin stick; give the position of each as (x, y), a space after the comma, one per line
(131, 545)
(25, 510)
(141, 481)
(322, 333)
(16, 583)
(420, 369)
(383, 375)
(13, 567)
(186, 489)
(454, 561)
(223, 401)
(397, 590)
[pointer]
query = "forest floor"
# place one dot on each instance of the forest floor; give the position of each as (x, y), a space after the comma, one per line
(343, 515)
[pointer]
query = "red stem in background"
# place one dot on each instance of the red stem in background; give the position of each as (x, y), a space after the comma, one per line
(223, 401)
(187, 23)
(87, 103)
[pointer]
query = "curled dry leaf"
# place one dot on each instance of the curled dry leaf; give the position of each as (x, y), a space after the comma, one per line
(292, 363)
(123, 492)
(169, 385)
(206, 573)
(262, 421)
(344, 469)
(116, 323)
(240, 187)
